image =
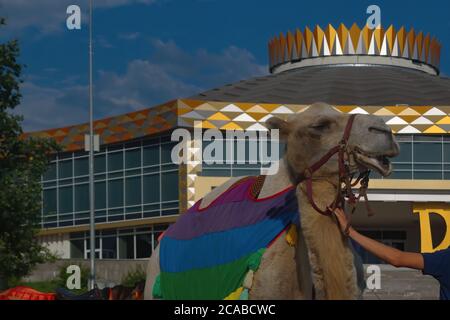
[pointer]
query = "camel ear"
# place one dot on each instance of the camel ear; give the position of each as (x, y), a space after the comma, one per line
(280, 124)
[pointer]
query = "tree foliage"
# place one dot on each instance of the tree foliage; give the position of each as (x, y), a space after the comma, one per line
(22, 162)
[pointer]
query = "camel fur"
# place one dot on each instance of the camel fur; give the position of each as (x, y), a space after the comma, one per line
(322, 264)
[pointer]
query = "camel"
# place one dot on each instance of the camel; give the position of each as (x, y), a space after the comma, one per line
(321, 265)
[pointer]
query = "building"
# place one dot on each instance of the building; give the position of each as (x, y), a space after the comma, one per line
(139, 190)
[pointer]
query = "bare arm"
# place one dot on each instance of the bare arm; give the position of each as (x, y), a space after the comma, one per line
(391, 255)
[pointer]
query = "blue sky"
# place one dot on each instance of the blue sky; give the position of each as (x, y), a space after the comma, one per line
(150, 51)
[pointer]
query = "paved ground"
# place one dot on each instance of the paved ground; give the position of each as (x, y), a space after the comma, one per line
(396, 283)
(404, 284)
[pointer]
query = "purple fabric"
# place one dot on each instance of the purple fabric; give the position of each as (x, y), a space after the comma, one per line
(233, 209)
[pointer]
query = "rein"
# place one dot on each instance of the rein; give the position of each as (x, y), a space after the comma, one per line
(344, 187)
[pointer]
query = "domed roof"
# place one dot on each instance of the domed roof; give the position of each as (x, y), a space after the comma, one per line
(338, 85)
(346, 66)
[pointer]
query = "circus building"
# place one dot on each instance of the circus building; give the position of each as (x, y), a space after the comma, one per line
(139, 191)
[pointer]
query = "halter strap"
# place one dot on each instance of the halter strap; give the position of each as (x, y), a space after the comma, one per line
(340, 149)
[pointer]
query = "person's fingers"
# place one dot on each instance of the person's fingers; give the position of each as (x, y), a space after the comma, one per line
(340, 216)
(338, 212)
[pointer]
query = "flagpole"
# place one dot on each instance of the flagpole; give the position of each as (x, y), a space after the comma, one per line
(91, 159)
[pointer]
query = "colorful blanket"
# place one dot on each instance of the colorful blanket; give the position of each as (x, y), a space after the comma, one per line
(207, 253)
(25, 293)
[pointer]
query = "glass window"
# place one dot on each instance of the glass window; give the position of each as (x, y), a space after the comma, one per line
(97, 241)
(245, 172)
(427, 152)
(50, 174)
(82, 197)
(148, 142)
(133, 191)
(49, 201)
(143, 245)
(100, 195)
(423, 175)
(446, 152)
(405, 152)
(151, 188)
(427, 138)
(401, 175)
(126, 247)
(166, 152)
(77, 249)
(97, 254)
(99, 163)
(216, 172)
(403, 166)
(169, 185)
(133, 158)
(427, 167)
(115, 193)
(133, 172)
(65, 169)
(81, 167)
(115, 161)
(65, 200)
(151, 156)
(109, 248)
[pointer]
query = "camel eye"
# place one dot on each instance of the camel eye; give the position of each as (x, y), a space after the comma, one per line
(320, 126)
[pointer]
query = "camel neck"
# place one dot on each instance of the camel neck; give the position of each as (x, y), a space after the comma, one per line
(278, 182)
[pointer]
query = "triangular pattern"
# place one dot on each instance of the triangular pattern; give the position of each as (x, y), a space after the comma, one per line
(401, 118)
(344, 41)
(236, 116)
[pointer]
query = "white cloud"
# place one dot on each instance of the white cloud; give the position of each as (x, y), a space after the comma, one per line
(41, 108)
(48, 16)
(129, 35)
(169, 73)
(210, 68)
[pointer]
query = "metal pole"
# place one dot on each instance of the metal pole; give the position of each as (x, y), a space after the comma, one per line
(91, 158)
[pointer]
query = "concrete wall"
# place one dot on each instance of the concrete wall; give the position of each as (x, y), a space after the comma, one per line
(109, 272)
(403, 284)
(396, 283)
(58, 244)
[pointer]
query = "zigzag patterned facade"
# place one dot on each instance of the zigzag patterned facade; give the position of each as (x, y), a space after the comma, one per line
(298, 45)
(236, 116)
(252, 116)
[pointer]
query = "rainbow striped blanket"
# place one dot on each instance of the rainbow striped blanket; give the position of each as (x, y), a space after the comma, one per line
(207, 253)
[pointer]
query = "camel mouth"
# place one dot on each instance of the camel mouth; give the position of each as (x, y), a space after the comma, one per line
(379, 162)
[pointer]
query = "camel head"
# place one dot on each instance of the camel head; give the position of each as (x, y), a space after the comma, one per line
(309, 135)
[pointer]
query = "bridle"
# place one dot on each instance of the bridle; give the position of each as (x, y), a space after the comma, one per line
(345, 184)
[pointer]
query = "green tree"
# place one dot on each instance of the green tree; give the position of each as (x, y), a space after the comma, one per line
(22, 162)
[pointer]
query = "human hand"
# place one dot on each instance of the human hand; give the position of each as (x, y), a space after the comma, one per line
(342, 220)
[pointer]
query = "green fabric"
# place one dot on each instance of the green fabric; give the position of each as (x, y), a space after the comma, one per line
(213, 283)
(255, 259)
(156, 292)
